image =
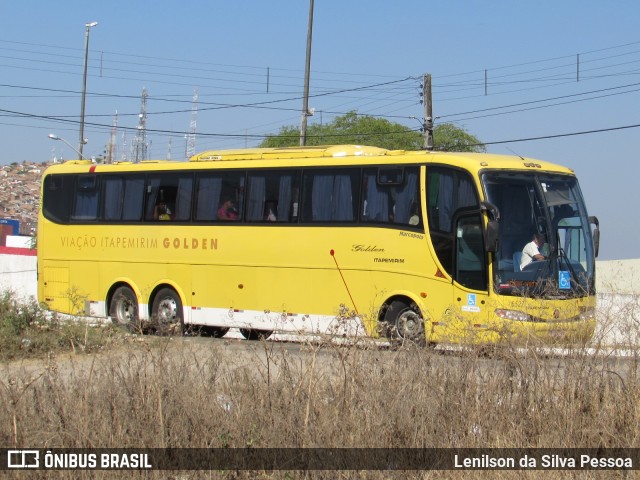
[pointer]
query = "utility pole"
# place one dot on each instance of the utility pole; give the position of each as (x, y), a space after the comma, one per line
(428, 112)
(307, 69)
(81, 141)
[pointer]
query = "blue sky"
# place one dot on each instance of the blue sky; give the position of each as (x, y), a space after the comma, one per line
(551, 67)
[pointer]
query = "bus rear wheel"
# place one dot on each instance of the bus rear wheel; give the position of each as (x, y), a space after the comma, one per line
(166, 313)
(404, 322)
(251, 334)
(123, 309)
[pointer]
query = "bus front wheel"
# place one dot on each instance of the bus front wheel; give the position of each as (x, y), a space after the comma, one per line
(123, 309)
(404, 322)
(166, 312)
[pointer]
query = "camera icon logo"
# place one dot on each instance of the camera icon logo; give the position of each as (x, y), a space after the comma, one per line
(23, 459)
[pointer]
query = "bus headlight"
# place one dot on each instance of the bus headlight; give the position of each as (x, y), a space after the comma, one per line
(587, 314)
(513, 315)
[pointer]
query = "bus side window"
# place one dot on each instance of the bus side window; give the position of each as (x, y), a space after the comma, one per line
(86, 199)
(208, 191)
(213, 189)
(449, 189)
(57, 198)
(331, 195)
(376, 200)
(470, 266)
(272, 196)
(392, 195)
(407, 194)
(174, 191)
(123, 198)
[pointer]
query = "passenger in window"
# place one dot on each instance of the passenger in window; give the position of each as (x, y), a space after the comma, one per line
(161, 212)
(228, 210)
(531, 251)
(414, 219)
(270, 212)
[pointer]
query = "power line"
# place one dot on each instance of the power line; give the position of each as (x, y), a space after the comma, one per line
(542, 101)
(338, 135)
(559, 135)
(218, 106)
(377, 94)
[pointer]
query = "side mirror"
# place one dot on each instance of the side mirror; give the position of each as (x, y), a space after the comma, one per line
(596, 235)
(491, 209)
(492, 233)
(491, 236)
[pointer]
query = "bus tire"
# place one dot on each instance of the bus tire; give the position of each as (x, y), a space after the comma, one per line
(166, 313)
(251, 334)
(123, 309)
(405, 322)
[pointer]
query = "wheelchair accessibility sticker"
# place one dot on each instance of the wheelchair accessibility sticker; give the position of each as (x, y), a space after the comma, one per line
(471, 305)
(564, 280)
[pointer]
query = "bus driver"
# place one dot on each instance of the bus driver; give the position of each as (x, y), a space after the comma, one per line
(531, 251)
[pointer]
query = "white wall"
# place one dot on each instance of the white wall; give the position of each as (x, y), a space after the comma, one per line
(19, 241)
(18, 270)
(621, 277)
(618, 287)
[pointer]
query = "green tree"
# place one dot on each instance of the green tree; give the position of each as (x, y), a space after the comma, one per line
(447, 137)
(351, 129)
(377, 132)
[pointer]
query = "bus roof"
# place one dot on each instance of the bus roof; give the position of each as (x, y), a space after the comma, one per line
(333, 155)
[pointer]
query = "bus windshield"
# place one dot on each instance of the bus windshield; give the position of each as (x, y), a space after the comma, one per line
(550, 205)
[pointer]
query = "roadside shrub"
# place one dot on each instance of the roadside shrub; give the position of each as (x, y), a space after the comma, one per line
(28, 331)
(16, 315)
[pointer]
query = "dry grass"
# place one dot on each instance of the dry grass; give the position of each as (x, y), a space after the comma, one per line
(208, 393)
(217, 394)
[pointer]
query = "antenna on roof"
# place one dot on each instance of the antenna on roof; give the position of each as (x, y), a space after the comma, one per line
(516, 154)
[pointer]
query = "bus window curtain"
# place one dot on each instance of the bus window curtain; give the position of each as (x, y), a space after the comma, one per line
(113, 196)
(321, 194)
(331, 198)
(255, 201)
(377, 202)
(466, 194)
(445, 202)
(343, 201)
(152, 199)
(133, 197)
(405, 198)
(284, 198)
(86, 206)
(454, 192)
(183, 200)
(209, 190)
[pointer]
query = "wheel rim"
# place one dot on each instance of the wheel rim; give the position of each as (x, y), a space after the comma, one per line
(125, 311)
(167, 311)
(410, 325)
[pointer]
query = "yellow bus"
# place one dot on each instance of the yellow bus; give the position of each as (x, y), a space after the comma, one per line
(420, 246)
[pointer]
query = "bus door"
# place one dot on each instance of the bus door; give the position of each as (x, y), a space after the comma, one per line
(470, 286)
